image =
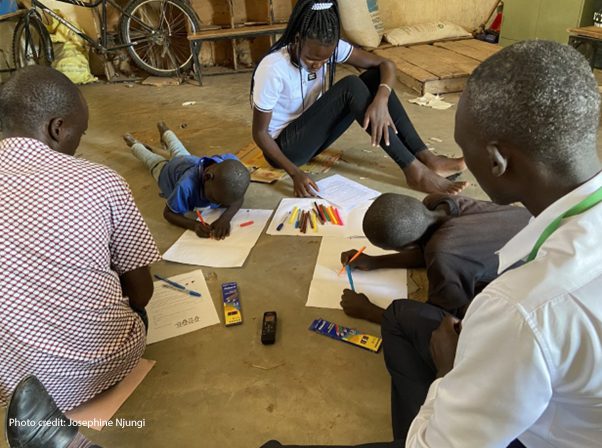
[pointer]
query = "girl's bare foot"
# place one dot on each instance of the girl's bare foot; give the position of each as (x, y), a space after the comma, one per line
(421, 178)
(442, 165)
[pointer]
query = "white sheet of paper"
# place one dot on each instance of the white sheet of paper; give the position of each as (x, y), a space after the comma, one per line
(381, 286)
(172, 313)
(352, 220)
(227, 253)
(345, 193)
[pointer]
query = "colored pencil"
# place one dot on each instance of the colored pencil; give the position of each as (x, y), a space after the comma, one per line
(200, 217)
(336, 212)
(350, 278)
(325, 213)
(304, 222)
(357, 254)
(314, 221)
(248, 223)
(320, 216)
(293, 215)
(332, 217)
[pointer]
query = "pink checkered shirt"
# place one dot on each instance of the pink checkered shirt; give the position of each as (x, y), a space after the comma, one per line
(68, 229)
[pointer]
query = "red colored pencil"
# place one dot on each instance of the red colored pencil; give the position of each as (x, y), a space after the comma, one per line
(200, 217)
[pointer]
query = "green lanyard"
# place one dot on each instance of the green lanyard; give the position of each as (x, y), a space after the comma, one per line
(590, 201)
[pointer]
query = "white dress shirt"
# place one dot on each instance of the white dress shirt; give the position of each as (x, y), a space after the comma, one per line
(529, 357)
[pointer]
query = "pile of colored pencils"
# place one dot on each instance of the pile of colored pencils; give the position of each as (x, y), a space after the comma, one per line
(319, 214)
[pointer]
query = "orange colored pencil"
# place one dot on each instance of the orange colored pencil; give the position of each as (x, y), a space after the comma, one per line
(200, 217)
(336, 212)
(357, 254)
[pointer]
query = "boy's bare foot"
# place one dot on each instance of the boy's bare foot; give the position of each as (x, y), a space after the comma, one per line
(359, 306)
(421, 178)
(442, 165)
(129, 139)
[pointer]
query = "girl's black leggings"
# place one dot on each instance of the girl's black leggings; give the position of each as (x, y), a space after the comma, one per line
(347, 100)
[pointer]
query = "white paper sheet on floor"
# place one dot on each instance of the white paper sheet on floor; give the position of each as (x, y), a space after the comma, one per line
(173, 313)
(381, 286)
(227, 253)
(344, 192)
(352, 220)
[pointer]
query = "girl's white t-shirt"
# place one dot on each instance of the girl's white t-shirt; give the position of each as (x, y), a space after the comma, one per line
(278, 85)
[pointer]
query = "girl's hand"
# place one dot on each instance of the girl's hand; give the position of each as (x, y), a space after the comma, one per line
(378, 118)
(303, 185)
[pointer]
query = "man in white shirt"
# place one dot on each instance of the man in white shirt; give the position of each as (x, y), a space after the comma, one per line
(526, 362)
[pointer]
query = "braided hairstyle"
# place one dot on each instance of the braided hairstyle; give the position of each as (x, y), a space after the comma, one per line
(310, 19)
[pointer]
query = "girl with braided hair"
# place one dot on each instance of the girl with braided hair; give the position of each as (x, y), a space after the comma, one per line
(299, 110)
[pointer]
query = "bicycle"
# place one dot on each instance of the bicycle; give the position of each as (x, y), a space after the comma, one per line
(154, 33)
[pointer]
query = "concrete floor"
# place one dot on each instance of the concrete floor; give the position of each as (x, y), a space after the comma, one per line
(219, 387)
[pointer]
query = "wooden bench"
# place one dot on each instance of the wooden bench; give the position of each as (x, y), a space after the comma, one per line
(247, 31)
(587, 36)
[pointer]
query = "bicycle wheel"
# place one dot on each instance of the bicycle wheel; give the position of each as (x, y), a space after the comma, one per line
(31, 42)
(158, 30)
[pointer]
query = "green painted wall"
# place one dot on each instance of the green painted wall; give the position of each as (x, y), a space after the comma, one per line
(545, 19)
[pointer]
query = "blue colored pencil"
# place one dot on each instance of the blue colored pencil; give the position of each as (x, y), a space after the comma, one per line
(348, 269)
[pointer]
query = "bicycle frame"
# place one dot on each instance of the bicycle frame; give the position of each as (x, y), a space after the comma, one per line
(102, 45)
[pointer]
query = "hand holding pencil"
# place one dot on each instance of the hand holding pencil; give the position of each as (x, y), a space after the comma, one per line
(362, 262)
(351, 259)
(201, 228)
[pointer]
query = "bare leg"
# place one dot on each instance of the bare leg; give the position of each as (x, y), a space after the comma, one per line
(422, 178)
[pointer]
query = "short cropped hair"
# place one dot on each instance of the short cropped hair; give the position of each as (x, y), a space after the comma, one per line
(232, 178)
(394, 221)
(540, 96)
(33, 96)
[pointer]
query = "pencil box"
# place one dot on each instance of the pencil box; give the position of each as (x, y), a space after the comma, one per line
(231, 299)
(346, 334)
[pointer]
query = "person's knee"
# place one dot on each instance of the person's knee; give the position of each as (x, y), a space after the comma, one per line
(391, 317)
(404, 315)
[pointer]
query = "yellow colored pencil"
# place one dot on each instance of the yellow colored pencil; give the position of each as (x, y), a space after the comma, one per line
(293, 215)
(332, 217)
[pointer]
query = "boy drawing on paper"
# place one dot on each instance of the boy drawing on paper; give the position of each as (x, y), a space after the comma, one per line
(454, 237)
(189, 182)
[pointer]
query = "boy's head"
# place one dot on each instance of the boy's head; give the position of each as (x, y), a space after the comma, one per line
(394, 221)
(529, 115)
(226, 182)
(42, 103)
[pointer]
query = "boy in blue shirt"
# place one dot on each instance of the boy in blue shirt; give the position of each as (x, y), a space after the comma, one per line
(189, 182)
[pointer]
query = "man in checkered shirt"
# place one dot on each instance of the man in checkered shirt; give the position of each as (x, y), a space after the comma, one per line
(74, 249)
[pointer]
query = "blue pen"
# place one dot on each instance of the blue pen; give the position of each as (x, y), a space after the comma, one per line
(348, 269)
(178, 286)
(281, 225)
